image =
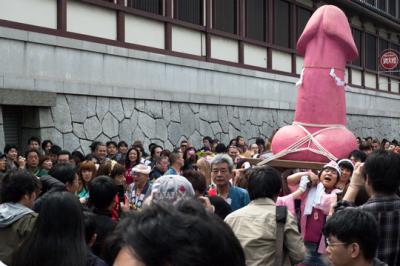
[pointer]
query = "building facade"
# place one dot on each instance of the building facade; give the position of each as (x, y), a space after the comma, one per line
(165, 70)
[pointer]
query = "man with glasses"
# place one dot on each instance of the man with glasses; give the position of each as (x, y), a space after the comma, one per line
(380, 177)
(221, 175)
(351, 238)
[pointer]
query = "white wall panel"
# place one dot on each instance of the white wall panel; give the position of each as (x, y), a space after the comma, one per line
(299, 64)
(187, 41)
(370, 80)
(224, 49)
(356, 77)
(395, 85)
(383, 84)
(281, 61)
(34, 12)
(91, 20)
(255, 55)
(144, 32)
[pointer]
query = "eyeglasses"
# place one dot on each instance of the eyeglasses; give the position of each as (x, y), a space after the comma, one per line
(330, 244)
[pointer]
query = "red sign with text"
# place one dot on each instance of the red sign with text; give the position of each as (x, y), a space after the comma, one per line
(389, 60)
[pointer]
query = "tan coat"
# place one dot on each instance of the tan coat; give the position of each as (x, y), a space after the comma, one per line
(255, 227)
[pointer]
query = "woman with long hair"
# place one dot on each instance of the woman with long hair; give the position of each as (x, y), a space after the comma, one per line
(86, 172)
(132, 159)
(57, 237)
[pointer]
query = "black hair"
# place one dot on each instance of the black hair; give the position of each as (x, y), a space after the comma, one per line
(260, 141)
(151, 145)
(111, 142)
(264, 182)
(17, 183)
(346, 165)
(139, 146)
(57, 237)
(64, 152)
(93, 145)
(359, 155)
(63, 172)
(8, 147)
(239, 137)
(34, 138)
(55, 149)
(197, 180)
(231, 141)
(352, 225)
(382, 169)
(90, 157)
(365, 146)
(166, 153)
(30, 151)
(220, 148)
(163, 235)
(128, 163)
(89, 226)
(78, 157)
(122, 143)
(208, 138)
(153, 149)
(102, 191)
(45, 142)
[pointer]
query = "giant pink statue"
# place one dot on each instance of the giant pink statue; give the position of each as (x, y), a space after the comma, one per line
(319, 133)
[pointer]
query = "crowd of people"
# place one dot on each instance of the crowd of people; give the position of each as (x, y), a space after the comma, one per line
(120, 205)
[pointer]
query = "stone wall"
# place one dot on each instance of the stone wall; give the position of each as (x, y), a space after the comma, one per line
(76, 121)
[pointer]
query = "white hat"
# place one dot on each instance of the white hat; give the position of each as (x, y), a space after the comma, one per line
(141, 168)
(334, 165)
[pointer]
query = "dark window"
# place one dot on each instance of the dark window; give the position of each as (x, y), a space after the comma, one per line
(303, 15)
(370, 51)
(392, 7)
(382, 4)
(255, 19)
(224, 15)
(398, 10)
(282, 23)
(152, 6)
(357, 35)
(189, 11)
(383, 45)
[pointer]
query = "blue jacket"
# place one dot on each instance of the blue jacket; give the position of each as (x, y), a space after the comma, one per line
(238, 197)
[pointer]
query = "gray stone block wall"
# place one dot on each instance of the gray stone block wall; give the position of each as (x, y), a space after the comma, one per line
(75, 121)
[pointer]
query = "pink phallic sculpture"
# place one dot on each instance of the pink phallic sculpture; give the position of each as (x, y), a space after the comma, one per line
(319, 132)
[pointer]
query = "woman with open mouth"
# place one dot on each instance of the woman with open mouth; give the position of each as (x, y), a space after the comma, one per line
(316, 203)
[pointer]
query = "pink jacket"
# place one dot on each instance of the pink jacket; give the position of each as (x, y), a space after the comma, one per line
(327, 200)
